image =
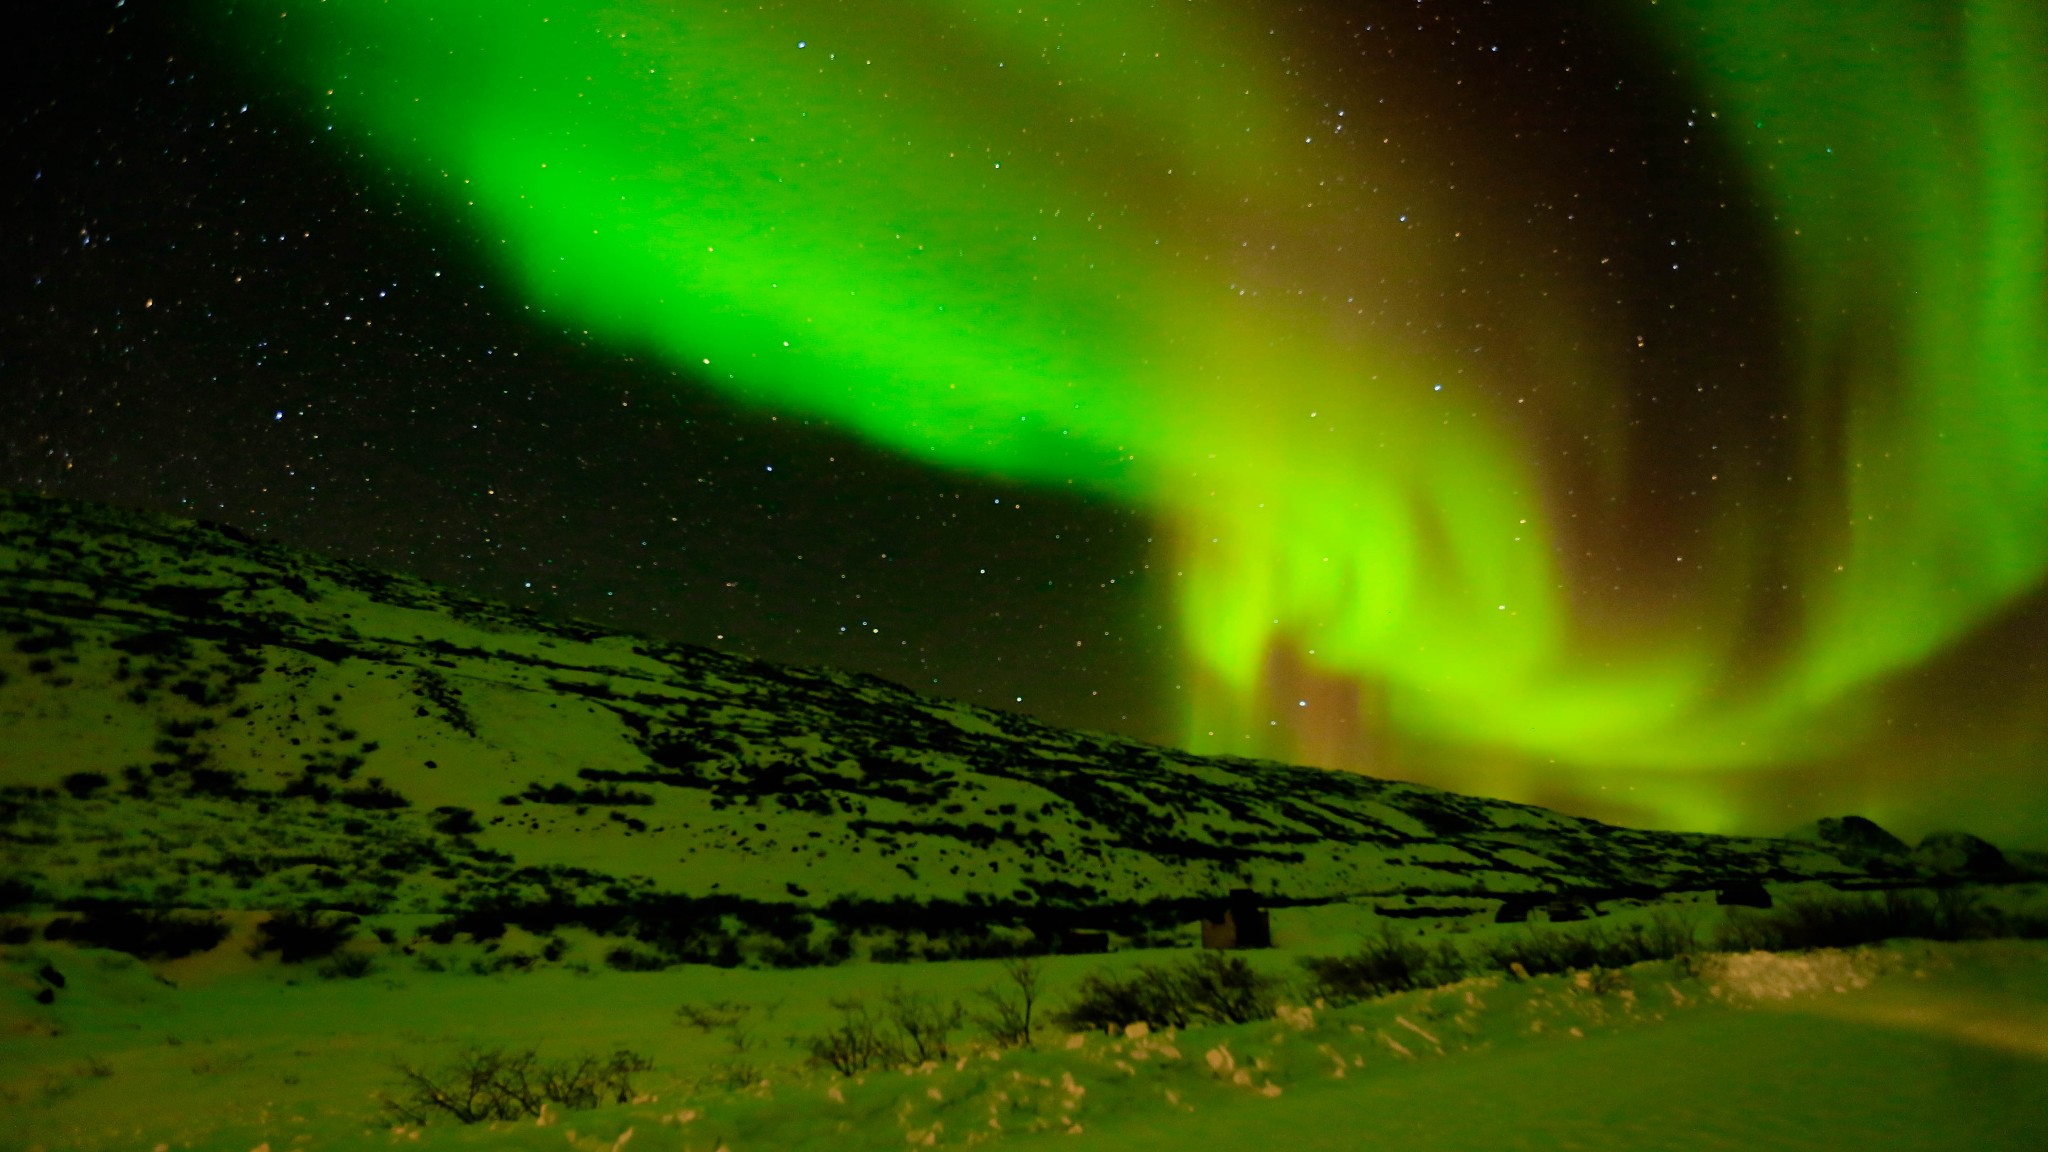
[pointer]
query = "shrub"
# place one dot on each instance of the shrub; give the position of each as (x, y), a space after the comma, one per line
(376, 796)
(499, 962)
(1210, 987)
(1106, 1000)
(304, 935)
(59, 637)
(346, 966)
(710, 1017)
(453, 821)
(482, 1084)
(924, 1027)
(1671, 933)
(1842, 921)
(1806, 922)
(603, 795)
(1011, 1004)
(1538, 951)
(16, 892)
(856, 1044)
(1664, 936)
(627, 959)
(214, 782)
(83, 784)
(1227, 989)
(736, 1067)
(1389, 963)
(590, 1081)
(141, 932)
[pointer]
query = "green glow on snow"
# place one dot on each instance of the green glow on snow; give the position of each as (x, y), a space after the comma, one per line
(1114, 246)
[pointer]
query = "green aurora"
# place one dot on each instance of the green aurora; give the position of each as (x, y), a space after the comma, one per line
(1204, 259)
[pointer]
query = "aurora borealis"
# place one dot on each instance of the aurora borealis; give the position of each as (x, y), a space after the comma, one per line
(1539, 419)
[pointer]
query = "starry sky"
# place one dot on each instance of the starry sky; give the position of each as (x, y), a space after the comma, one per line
(1636, 409)
(216, 309)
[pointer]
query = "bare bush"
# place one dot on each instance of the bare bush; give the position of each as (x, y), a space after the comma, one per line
(346, 966)
(1386, 964)
(710, 1017)
(626, 958)
(1211, 987)
(738, 1067)
(478, 1085)
(1012, 1003)
(305, 935)
(484, 1084)
(590, 1081)
(1671, 932)
(924, 1026)
(856, 1044)
(1107, 1000)
(1227, 989)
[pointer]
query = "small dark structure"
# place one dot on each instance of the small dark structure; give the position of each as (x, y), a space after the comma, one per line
(1083, 943)
(1556, 908)
(1515, 909)
(1242, 923)
(1564, 909)
(1744, 894)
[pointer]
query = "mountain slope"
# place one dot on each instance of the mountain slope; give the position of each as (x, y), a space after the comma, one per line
(193, 718)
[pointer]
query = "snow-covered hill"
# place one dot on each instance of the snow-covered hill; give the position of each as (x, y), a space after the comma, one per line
(193, 718)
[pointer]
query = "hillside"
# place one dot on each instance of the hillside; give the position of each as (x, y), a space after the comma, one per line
(193, 718)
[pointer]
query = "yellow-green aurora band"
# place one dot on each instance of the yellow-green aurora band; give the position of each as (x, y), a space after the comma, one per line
(1124, 246)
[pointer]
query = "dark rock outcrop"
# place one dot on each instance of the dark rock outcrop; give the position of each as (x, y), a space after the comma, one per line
(1959, 853)
(1853, 834)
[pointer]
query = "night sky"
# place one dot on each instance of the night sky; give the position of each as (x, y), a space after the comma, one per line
(214, 311)
(1686, 497)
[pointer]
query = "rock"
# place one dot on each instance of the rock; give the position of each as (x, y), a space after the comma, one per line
(1959, 852)
(51, 976)
(1856, 835)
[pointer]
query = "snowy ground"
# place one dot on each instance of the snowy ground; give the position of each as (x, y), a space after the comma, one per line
(1909, 1046)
